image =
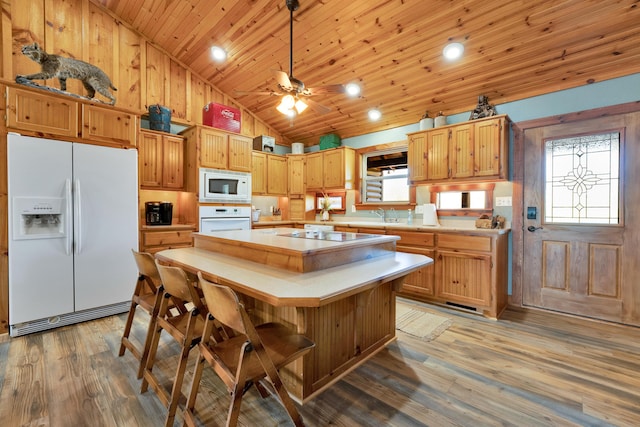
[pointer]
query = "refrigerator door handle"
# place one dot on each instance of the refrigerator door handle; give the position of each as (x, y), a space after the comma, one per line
(78, 216)
(68, 217)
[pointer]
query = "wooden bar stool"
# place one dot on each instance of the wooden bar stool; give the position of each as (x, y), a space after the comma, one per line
(252, 355)
(146, 295)
(186, 328)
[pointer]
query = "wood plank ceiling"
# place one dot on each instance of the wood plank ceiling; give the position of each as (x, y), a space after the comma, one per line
(393, 49)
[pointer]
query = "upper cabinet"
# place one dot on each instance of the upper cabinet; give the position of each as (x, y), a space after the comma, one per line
(463, 152)
(296, 174)
(331, 169)
(161, 160)
(218, 149)
(268, 174)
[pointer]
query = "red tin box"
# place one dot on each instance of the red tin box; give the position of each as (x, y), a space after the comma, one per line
(221, 117)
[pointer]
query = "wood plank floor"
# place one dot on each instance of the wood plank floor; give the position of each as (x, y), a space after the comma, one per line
(527, 369)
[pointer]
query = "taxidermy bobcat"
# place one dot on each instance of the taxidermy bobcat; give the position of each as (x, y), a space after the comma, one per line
(52, 66)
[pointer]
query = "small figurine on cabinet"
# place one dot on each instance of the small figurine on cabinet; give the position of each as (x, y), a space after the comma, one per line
(56, 66)
(483, 109)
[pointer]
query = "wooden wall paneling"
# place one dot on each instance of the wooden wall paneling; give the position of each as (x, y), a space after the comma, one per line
(131, 91)
(247, 123)
(198, 94)
(177, 99)
(101, 44)
(6, 51)
(155, 78)
(64, 36)
(27, 27)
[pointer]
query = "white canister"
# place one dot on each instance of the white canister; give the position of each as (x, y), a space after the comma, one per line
(297, 148)
(440, 121)
(429, 215)
(426, 123)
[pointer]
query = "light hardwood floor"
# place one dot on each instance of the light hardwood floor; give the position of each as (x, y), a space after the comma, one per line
(527, 369)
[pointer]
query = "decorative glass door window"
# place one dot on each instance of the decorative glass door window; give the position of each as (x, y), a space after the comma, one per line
(582, 179)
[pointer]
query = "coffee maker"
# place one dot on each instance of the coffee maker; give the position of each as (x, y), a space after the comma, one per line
(158, 213)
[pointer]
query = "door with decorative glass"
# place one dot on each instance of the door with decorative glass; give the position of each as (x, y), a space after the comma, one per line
(582, 225)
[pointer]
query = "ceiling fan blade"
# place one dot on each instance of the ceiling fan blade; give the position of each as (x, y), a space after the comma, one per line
(256, 93)
(283, 80)
(318, 108)
(322, 90)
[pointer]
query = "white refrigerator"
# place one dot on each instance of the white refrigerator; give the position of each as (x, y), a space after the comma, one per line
(73, 221)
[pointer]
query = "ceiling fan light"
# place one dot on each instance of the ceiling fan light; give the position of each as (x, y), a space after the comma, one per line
(300, 106)
(352, 89)
(453, 51)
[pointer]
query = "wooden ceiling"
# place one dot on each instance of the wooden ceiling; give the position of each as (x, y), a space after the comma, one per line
(393, 49)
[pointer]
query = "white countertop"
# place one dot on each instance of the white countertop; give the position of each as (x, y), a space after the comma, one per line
(280, 287)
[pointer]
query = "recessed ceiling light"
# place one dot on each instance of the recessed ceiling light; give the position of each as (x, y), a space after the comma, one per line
(218, 53)
(352, 89)
(374, 115)
(453, 51)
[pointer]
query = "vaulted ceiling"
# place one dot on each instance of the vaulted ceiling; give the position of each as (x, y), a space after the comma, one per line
(393, 49)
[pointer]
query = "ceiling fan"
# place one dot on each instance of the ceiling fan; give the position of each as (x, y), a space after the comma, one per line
(293, 90)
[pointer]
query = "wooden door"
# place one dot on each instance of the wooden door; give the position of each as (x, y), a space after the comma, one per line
(417, 157)
(276, 175)
(314, 171)
(213, 149)
(239, 149)
(487, 143)
(258, 172)
(438, 154)
(582, 226)
(173, 162)
(461, 151)
(150, 160)
(295, 167)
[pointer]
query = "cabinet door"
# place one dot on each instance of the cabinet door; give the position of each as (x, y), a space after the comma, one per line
(276, 175)
(438, 154)
(240, 148)
(464, 278)
(213, 149)
(295, 167)
(296, 209)
(258, 172)
(314, 171)
(150, 160)
(109, 125)
(333, 169)
(461, 151)
(487, 140)
(41, 113)
(417, 157)
(173, 162)
(422, 281)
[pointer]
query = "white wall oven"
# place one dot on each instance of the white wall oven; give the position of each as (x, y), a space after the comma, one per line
(222, 186)
(221, 218)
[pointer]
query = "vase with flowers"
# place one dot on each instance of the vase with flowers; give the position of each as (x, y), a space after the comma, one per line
(325, 207)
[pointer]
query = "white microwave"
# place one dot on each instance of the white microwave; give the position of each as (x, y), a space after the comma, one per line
(221, 186)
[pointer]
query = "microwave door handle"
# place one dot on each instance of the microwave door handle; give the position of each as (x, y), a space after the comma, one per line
(68, 225)
(78, 215)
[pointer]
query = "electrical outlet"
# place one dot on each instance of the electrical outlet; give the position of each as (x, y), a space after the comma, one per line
(503, 201)
(419, 209)
(353, 208)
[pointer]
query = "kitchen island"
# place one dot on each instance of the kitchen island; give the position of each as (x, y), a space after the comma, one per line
(347, 309)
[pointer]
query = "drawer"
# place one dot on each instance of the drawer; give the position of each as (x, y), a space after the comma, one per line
(158, 238)
(371, 230)
(414, 238)
(462, 242)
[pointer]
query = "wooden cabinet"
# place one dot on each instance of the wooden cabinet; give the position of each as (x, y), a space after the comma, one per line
(38, 112)
(421, 282)
(107, 124)
(467, 151)
(296, 175)
(62, 117)
(158, 238)
(268, 174)
(331, 169)
(161, 160)
(297, 209)
(464, 278)
(218, 149)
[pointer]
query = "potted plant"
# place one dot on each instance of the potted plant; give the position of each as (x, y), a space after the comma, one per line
(325, 207)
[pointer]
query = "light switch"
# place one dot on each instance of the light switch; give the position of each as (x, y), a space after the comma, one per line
(503, 201)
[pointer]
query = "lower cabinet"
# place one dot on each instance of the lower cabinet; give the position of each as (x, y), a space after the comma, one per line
(464, 278)
(158, 238)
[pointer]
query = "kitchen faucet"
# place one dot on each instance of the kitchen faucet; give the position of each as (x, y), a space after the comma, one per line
(381, 213)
